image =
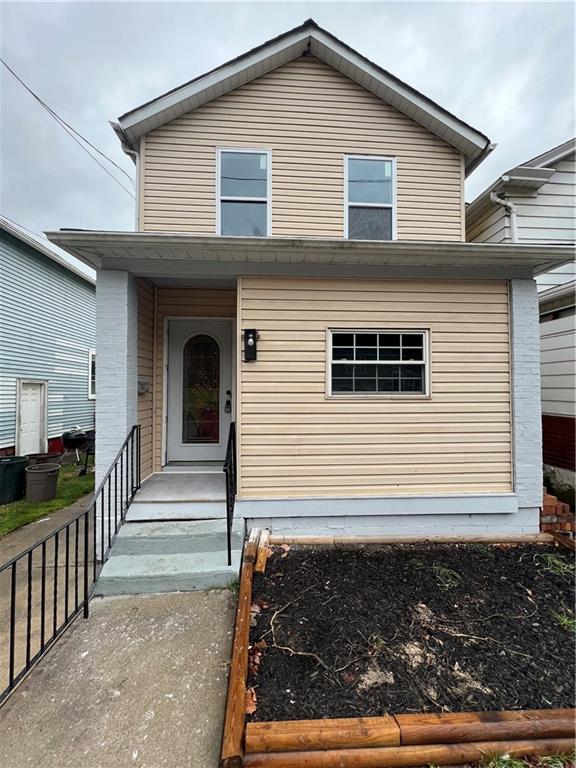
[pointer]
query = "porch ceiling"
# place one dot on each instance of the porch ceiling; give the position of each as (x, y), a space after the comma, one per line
(153, 252)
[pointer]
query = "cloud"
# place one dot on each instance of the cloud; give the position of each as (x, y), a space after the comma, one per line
(506, 68)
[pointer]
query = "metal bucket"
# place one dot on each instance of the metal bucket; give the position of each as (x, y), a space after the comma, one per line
(41, 482)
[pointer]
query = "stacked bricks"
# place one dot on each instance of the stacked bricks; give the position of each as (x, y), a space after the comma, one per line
(556, 515)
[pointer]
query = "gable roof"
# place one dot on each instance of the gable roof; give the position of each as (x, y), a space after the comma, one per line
(19, 234)
(306, 39)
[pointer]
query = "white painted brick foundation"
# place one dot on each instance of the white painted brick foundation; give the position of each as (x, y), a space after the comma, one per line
(524, 521)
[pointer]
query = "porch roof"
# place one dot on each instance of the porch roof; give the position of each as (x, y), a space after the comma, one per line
(146, 252)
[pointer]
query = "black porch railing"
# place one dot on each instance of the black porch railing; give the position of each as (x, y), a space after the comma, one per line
(44, 588)
(230, 471)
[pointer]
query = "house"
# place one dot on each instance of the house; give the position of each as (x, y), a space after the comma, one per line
(535, 203)
(299, 268)
(47, 344)
(558, 364)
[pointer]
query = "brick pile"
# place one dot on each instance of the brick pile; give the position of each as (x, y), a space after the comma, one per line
(556, 515)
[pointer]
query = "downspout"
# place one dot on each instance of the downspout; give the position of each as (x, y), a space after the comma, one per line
(512, 213)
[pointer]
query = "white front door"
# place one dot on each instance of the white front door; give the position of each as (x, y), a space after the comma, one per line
(199, 396)
(31, 430)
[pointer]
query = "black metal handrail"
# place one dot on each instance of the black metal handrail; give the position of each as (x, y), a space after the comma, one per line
(230, 471)
(51, 599)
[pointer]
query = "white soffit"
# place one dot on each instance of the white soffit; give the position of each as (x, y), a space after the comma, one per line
(93, 247)
(307, 38)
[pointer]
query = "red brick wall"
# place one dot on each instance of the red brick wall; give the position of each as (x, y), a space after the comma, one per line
(559, 436)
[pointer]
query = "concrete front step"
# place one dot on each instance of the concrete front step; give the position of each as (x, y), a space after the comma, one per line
(179, 536)
(178, 572)
(143, 511)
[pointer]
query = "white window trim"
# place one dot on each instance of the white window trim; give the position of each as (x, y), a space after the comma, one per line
(426, 395)
(268, 199)
(91, 356)
(392, 205)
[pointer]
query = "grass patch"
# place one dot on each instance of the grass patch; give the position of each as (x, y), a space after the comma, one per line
(559, 566)
(446, 578)
(503, 761)
(70, 489)
(565, 620)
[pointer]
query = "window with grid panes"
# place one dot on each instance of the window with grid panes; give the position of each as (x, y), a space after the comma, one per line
(378, 362)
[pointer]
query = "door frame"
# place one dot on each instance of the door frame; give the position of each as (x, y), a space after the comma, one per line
(165, 358)
(44, 383)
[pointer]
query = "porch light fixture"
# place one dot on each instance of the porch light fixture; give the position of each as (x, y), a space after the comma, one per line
(250, 344)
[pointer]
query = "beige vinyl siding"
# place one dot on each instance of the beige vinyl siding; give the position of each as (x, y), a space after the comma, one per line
(181, 302)
(309, 116)
(145, 370)
(296, 442)
(489, 224)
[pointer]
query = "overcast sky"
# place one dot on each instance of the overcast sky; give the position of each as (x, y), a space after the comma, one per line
(505, 68)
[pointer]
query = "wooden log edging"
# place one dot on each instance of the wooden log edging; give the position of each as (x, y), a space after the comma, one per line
(565, 541)
(409, 730)
(521, 538)
(402, 757)
(232, 750)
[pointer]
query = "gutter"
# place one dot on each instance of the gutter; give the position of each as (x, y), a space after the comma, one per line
(511, 211)
(127, 147)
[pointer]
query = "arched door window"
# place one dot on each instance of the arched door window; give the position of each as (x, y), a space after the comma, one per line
(201, 391)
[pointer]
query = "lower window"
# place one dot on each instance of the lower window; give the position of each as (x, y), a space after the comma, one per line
(378, 362)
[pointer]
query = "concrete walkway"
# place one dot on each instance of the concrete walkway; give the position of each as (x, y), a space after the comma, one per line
(11, 544)
(140, 684)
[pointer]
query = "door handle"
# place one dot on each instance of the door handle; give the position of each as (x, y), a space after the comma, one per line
(228, 403)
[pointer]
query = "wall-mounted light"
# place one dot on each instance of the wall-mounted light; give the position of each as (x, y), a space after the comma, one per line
(250, 344)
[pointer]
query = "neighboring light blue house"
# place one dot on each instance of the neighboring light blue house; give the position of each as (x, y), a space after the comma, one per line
(47, 341)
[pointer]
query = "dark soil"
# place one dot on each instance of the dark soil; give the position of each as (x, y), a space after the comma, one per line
(412, 628)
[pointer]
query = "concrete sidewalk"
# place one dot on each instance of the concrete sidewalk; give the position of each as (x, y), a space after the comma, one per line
(141, 683)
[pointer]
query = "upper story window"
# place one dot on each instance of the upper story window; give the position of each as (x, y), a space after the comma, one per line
(370, 198)
(243, 192)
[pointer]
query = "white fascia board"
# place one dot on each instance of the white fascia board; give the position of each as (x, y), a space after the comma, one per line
(553, 155)
(399, 95)
(160, 111)
(225, 78)
(92, 247)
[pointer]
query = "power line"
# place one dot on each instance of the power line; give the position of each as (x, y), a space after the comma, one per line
(74, 133)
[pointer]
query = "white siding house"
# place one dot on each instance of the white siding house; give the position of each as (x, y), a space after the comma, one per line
(535, 203)
(47, 343)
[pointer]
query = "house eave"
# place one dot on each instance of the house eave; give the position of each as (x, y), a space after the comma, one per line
(99, 248)
(308, 38)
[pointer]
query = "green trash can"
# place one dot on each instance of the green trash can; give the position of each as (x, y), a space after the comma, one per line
(12, 478)
(41, 481)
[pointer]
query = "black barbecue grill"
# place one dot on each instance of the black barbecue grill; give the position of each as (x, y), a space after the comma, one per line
(73, 440)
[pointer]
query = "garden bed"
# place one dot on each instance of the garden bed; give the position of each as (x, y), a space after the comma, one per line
(365, 631)
(428, 653)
